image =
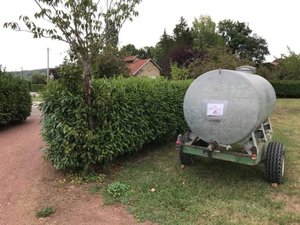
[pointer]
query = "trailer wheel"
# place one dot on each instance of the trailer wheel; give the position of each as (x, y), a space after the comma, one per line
(274, 163)
(185, 159)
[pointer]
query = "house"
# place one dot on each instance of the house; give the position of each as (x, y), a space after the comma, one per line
(142, 67)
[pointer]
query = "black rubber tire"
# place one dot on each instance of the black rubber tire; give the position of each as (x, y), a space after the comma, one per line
(274, 163)
(185, 159)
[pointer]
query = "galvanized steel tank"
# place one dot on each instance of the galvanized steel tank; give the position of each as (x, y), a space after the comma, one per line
(226, 105)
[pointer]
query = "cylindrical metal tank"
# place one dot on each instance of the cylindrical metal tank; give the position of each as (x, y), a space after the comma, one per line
(226, 105)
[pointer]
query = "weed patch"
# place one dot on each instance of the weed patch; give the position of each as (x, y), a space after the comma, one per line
(45, 212)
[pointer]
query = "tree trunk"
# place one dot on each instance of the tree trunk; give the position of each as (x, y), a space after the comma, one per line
(87, 76)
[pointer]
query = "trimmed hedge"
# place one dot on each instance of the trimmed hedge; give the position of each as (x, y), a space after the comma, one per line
(287, 88)
(127, 114)
(15, 100)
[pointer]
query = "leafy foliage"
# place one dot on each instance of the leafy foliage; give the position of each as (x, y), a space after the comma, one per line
(129, 50)
(288, 67)
(214, 58)
(178, 73)
(142, 53)
(82, 24)
(15, 100)
(127, 114)
(69, 72)
(205, 34)
(109, 64)
(117, 189)
(238, 38)
(164, 47)
(182, 34)
(87, 26)
(197, 48)
(38, 78)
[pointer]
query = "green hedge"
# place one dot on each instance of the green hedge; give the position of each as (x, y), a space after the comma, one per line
(15, 100)
(127, 114)
(287, 89)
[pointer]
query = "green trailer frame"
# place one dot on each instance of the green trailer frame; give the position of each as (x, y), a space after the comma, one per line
(224, 155)
(256, 149)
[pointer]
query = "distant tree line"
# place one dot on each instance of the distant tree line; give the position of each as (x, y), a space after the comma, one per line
(191, 51)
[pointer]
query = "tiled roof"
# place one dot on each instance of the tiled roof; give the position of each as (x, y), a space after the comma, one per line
(137, 65)
(134, 64)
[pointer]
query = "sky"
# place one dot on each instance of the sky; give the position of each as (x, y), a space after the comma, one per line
(277, 21)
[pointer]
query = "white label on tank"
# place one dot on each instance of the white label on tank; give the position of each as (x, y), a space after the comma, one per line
(215, 109)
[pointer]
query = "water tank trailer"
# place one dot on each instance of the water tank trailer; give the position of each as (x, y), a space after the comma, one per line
(228, 113)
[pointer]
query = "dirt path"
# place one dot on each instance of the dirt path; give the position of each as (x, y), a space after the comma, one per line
(27, 183)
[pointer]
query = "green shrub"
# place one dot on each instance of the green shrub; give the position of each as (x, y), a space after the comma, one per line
(117, 189)
(45, 212)
(127, 114)
(287, 88)
(38, 78)
(15, 100)
(37, 87)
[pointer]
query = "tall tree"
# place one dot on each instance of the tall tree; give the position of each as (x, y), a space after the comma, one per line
(166, 43)
(238, 38)
(182, 34)
(182, 53)
(128, 50)
(288, 67)
(151, 52)
(204, 32)
(110, 64)
(164, 47)
(146, 52)
(82, 25)
(215, 58)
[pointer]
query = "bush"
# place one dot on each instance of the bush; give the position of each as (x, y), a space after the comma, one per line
(38, 78)
(37, 87)
(117, 189)
(127, 114)
(15, 100)
(287, 88)
(178, 73)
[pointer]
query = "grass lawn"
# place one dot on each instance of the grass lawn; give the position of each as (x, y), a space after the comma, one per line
(212, 191)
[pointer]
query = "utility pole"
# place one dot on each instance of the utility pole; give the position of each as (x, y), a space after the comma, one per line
(22, 73)
(47, 65)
